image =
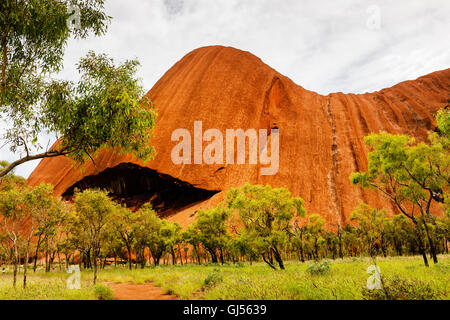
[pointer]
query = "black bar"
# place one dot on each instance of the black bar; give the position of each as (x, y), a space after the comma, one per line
(202, 309)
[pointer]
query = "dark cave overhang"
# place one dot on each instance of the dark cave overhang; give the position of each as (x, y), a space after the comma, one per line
(132, 186)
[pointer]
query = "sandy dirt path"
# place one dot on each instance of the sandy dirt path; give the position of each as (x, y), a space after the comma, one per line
(147, 291)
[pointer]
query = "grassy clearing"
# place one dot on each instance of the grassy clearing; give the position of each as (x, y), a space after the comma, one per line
(45, 287)
(51, 286)
(345, 279)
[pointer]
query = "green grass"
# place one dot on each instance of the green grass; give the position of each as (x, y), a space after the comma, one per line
(52, 285)
(103, 292)
(44, 287)
(346, 279)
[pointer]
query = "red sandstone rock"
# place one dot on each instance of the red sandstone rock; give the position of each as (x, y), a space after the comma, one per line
(321, 137)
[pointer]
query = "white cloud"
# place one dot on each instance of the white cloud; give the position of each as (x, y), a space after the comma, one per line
(323, 45)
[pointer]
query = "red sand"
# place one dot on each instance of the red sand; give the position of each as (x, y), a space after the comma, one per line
(147, 291)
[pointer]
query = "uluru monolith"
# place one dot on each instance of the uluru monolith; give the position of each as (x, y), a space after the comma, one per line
(320, 137)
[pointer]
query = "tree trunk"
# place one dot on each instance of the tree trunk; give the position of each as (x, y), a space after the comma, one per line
(221, 256)
(15, 274)
(129, 257)
(213, 255)
(268, 262)
(420, 242)
(95, 268)
(142, 258)
(431, 242)
(59, 259)
(316, 249)
(198, 255)
(25, 266)
(46, 259)
(341, 255)
(179, 255)
(156, 258)
(37, 252)
(52, 259)
(173, 257)
(16, 261)
(278, 258)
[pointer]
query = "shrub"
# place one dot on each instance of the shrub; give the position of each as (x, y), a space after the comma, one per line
(103, 292)
(399, 288)
(318, 268)
(213, 278)
(169, 291)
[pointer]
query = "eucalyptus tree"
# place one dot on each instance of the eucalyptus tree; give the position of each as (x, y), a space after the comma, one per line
(38, 203)
(442, 137)
(350, 239)
(191, 236)
(105, 107)
(314, 234)
(123, 227)
(266, 214)
(298, 239)
(412, 175)
(10, 180)
(370, 223)
(26, 211)
(5, 252)
(93, 213)
(212, 230)
(49, 212)
(171, 231)
(13, 215)
(147, 234)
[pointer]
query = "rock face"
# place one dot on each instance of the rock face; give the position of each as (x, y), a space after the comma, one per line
(320, 137)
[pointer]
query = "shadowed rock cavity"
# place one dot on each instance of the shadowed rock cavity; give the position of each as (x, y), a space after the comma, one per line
(133, 186)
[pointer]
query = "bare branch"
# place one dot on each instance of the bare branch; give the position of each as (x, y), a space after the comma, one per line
(47, 154)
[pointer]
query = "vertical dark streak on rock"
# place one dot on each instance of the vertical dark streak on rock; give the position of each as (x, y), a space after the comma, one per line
(332, 175)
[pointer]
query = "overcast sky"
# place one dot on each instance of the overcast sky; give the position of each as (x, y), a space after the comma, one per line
(322, 45)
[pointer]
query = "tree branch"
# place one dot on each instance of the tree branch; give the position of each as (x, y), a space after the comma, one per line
(25, 146)
(47, 154)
